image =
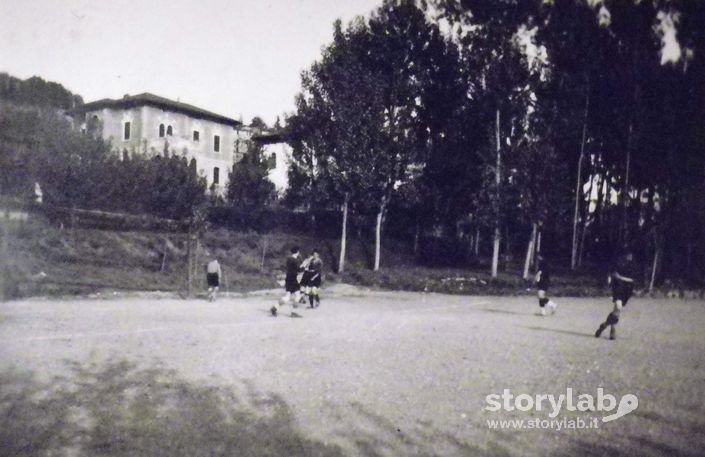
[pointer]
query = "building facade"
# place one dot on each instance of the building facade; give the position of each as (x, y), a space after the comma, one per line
(155, 126)
(278, 155)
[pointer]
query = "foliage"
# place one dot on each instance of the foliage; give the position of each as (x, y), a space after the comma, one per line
(77, 171)
(248, 186)
(36, 92)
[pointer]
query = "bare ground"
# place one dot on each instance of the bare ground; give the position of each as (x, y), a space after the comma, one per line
(368, 373)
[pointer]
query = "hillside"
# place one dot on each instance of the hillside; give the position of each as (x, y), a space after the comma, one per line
(45, 259)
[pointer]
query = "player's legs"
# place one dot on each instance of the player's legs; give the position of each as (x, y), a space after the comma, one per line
(283, 300)
(309, 294)
(296, 298)
(616, 312)
(553, 306)
(541, 294)
(621, 293)
(316, 296)
(212, 280)
(612, 319)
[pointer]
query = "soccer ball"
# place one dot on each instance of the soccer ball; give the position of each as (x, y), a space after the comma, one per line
(282, 301)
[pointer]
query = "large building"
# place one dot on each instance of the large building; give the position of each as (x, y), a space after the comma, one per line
(278, 154)
(151, 125)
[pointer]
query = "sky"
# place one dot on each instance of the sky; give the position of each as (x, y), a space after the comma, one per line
(237, 58)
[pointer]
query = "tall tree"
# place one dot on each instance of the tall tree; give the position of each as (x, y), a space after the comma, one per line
(499, 73)
(249, 187)
(369, 86)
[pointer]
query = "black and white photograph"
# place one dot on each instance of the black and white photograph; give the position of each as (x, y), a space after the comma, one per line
(360, 228)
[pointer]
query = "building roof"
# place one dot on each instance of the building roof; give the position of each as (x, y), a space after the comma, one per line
(270, 137)
(131, 101)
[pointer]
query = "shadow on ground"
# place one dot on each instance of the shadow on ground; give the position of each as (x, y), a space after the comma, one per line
(119, 410)
(564, 332)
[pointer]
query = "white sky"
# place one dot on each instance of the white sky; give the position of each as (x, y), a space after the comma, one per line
(233, 57)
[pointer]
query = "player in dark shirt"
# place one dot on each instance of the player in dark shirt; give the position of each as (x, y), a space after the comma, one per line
(291, 282)
(621, 280)
(311, 281)
(543, 282)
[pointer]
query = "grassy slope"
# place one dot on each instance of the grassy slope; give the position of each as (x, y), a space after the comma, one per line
(46, 260)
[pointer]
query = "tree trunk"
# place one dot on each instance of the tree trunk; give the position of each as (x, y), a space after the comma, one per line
(343, 236)
(578, 192)
(586, 218)
(624, 235)
(581, 245)
(498, 181)
(378, 234)
(657, 259)
(477, 241)
(197, 244)
(4, 263)
(166, 247)
(417, 234)
(189, 270)
(264, 251)
(530, 250)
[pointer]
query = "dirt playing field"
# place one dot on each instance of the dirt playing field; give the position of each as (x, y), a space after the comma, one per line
(368, 373)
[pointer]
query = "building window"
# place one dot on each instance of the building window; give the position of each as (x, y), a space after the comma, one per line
(193, 166)
(273, 160)
(216, 143)
(169, 131)
(126, 135)
(196, 135)
(216, 175)
(161, 130)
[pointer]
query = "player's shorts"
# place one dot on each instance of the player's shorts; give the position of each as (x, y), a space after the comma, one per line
(291, 285)
(622, 290)
(212, 279)
(306, 279)
(543, 284)
(315, 280)
(311, 279)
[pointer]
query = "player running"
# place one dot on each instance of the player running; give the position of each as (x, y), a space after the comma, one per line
(543, 282)
(213, 276)
(291, 282)
(311, 281)
(621, 279)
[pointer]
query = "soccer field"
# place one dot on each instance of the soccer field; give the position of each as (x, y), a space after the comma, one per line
(368, 373)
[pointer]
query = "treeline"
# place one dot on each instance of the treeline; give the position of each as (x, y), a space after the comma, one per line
(572, 126)
(41, 154)
(35, 91)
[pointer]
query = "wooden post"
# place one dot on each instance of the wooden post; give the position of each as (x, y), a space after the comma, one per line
(498, 181)
(343, 236)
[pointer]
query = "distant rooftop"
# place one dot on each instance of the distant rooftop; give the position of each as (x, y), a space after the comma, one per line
(270, 137)
(131, 101)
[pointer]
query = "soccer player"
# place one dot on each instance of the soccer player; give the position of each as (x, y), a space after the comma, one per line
(291, 282)
(213, 275)
(312, 279)
(543, 282)
(621, 280)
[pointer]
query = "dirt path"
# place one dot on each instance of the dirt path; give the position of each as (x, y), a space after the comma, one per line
(368, 373)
